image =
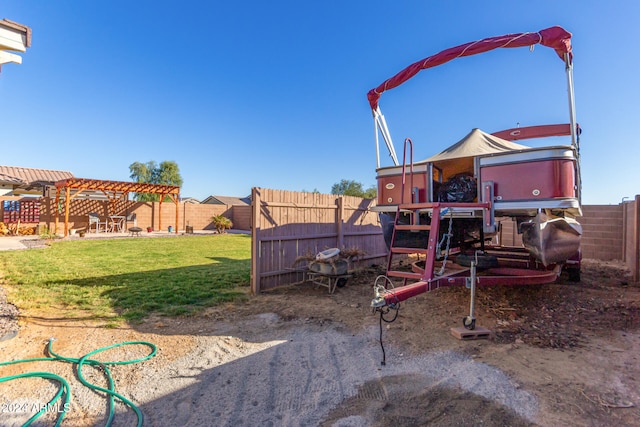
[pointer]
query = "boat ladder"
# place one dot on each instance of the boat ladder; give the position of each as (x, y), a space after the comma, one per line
(415, 225)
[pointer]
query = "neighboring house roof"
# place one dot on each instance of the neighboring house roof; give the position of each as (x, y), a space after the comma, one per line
(227, 200)
(189, 200)
(30, 178)
(8, 179)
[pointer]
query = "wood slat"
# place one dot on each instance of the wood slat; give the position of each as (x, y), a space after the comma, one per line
(408, 251)
(404, 274)
(412, 227)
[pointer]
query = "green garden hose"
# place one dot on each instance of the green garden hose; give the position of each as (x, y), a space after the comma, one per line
(64, 388)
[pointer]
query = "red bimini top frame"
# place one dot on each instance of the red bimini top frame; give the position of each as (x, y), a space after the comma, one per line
(556, 38)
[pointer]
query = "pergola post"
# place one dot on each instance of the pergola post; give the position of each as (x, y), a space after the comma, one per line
(67, 201)
(55, 207)
(160, 212)
(176, 200)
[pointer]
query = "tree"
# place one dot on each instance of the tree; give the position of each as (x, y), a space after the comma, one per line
(353, 188)
(166, 173)
(371, 192)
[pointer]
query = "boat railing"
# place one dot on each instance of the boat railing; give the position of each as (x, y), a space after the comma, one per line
(407, 142)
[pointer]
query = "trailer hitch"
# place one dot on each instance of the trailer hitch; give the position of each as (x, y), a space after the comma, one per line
(379, 292)
(380, 304)
(378, 300)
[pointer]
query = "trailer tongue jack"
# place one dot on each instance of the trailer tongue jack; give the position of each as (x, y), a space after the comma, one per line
(469, 322)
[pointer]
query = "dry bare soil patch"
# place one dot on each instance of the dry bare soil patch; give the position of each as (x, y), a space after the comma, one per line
(561, 354)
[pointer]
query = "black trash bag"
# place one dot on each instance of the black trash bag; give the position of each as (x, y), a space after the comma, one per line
(460, 188)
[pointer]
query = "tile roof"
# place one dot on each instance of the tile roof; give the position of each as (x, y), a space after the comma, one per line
(29, 176)
(8, 179)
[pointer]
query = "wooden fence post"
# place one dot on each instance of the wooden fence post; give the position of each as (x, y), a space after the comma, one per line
(255, 241)
(340, 221)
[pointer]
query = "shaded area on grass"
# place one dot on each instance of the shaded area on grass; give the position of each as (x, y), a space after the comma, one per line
(170, 291)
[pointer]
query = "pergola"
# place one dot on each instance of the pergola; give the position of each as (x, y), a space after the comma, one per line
(113, 190)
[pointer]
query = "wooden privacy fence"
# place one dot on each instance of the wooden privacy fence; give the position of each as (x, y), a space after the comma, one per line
(286, 225)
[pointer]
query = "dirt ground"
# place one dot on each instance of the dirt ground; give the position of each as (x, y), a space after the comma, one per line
(560, 354)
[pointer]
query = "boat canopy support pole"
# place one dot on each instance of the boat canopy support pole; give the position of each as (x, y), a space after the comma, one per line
(375, 131)
(572, 103)
(575, 138)
(381, 125)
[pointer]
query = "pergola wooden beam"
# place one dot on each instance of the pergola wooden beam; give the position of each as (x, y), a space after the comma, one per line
(111, 190)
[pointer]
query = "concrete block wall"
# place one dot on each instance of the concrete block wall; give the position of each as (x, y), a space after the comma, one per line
(197, 216)
(147, 214)
(241, 217)
(631, 236)
(602, 230)
(509, 232)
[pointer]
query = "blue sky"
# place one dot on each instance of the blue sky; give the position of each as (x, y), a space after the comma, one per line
(273, 94)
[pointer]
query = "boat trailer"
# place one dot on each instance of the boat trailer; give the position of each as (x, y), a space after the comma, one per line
(488, 266)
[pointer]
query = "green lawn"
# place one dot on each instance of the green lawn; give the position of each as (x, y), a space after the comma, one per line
(128, 278)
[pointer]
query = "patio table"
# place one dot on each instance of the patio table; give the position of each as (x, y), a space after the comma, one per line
(116, 223)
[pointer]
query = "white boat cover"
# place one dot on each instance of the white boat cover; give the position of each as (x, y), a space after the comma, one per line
(476, 143)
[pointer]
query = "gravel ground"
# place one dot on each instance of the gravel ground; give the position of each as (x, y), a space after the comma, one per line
(270, 371)
(8, 317)
(298, 372)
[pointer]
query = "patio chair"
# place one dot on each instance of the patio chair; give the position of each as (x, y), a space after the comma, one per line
(94, 219)
(131, 218)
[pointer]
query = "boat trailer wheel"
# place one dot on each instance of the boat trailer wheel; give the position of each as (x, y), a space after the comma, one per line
(469, 322)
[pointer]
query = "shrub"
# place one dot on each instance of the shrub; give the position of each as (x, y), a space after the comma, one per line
(221, 223)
